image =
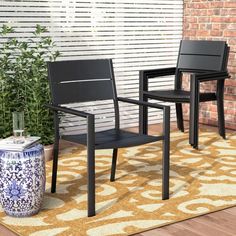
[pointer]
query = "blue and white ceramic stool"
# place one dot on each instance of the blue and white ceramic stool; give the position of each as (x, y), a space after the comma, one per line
(22, 181)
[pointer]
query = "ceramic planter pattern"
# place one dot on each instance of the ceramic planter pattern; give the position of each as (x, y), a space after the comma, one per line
(22, 181)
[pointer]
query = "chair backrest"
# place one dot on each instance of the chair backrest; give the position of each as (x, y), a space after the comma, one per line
(201, 55)
(83, 81)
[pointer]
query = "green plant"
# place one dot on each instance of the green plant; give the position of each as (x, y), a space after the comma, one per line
(24, 83)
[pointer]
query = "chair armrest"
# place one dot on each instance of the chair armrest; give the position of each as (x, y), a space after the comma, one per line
(157, 72)
(69, 110)
(140, 103)
(144, 75)
(166, 115)
(90, 122)
(210, 76)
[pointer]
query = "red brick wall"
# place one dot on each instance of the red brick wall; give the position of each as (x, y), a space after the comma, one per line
(214, 20)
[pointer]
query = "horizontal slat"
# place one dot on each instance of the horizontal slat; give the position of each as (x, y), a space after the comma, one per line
(80, 6)
(62, 71)
(85, 16)
(132, 49)
(83, 13)
(81, 92)
(93, 55)
(215, 48)
(103, 31)
(69, 3)
(117, 37)
(198, 62)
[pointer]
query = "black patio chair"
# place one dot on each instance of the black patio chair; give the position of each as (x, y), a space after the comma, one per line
(90, 80)
(206, 61)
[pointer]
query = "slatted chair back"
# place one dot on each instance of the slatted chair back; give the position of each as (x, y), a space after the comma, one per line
(83, 81)
(201, 55)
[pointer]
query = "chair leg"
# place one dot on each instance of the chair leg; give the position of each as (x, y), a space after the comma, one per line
(220, 108)
(55, 152)
(166, 154)
(55, 164)
(91, 181)
(143, 120)
(91, 166)
(143, 110)
(194, 112)
(113, 165)
(179, 115)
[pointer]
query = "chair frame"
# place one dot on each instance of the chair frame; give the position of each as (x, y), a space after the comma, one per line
(91, 143)
(196, 78)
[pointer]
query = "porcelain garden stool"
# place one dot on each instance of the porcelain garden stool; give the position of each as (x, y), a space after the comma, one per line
(22, 181)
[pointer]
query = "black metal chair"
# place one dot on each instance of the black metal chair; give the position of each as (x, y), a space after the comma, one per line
(206, 61)
(91, 80)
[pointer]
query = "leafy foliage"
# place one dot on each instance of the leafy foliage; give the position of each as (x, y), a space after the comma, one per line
(23, 82)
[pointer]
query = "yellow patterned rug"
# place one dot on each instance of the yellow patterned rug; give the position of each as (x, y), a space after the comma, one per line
(201, 181)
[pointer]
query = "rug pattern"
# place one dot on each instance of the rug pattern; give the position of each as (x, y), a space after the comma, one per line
(201, 181)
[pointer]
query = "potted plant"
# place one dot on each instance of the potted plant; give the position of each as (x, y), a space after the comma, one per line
(24, 83)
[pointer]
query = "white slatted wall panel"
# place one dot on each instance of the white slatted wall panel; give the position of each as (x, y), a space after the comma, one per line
(136, 34)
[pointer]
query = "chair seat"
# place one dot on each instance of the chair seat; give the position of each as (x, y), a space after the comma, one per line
(178, 96)
(113, 139)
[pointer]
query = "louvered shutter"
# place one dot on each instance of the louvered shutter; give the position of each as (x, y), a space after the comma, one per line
(136, 34)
